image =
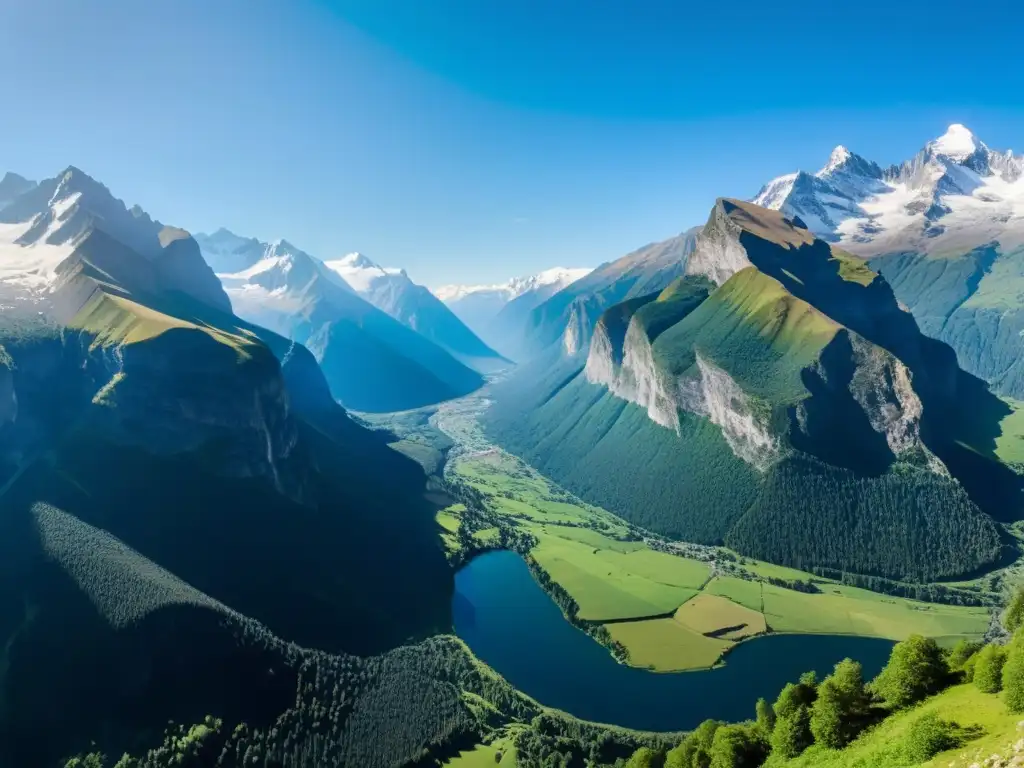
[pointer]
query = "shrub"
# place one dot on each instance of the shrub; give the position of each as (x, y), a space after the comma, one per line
(929, 735)
(1013, 675)
(961, 653)
(737, 746)
(968, 669)
(988, 669)
(1014, 616)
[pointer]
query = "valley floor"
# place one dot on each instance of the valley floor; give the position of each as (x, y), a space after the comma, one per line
(668, 606)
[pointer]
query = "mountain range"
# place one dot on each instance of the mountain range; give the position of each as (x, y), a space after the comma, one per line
(372, 361)
(193, 522)
(945, 227)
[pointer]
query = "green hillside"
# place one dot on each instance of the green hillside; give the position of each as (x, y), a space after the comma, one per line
(800, 417)
(971, 301)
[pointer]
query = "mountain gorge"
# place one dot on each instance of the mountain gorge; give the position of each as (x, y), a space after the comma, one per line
(777, 376)
(946, 228)
(371, 360)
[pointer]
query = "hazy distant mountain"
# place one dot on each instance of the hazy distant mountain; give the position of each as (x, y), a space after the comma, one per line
(226, 252)
(579, 304)
(12, 185)
(372, 362)
(946, 228)
(391, 291)
(497, 312)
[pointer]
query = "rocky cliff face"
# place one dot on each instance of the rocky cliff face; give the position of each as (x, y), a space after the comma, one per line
(718, 254)
(709, 392)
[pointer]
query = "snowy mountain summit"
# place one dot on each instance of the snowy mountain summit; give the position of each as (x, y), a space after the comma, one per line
(362, 273)
(954, 193)
(515, 287)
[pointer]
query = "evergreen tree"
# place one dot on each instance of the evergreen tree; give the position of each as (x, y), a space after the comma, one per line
(916, 669)
(988, 670)
(792, 734)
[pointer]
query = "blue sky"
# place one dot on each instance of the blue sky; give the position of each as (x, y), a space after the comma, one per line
(470, 141)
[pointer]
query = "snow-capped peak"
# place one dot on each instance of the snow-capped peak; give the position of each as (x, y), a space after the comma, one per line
(517, 286)
(839, 157)
(361, 273)
(957, 143)
(954, 191)
(356, 259)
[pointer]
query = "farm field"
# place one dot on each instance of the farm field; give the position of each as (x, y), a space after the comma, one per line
(850, 611)
(720, 617)
(665, 645)
(609, 584)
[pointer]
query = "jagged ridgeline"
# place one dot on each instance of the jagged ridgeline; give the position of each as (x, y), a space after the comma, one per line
(776, 399)
(178, 489)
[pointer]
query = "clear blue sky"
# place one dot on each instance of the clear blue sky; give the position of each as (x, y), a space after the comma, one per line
(470, 140)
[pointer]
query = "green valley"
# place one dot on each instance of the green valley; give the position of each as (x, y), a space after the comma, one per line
(663, 605)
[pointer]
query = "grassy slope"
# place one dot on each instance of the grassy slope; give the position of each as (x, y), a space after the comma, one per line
(880, 747)
(1010, 444)
(755, 329)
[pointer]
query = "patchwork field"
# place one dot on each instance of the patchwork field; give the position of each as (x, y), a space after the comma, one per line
(665, 645)
(719, 617)
(608, 583)
(850, 611)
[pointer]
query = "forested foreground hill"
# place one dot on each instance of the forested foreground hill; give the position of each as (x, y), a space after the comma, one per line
(776, 399)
